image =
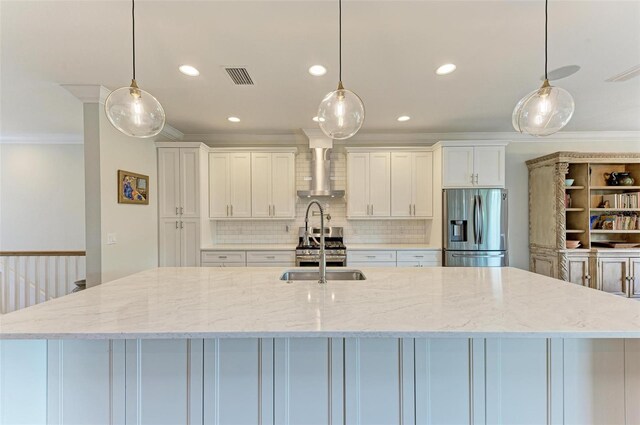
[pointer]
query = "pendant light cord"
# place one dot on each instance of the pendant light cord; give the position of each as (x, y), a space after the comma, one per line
(133, 22)
(340, 38)
(546, 37)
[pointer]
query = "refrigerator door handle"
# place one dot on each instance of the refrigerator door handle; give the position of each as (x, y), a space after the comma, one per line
(475, 219)
(480, 220)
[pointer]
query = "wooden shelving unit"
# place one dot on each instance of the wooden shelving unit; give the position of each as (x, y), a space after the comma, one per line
(560, 213)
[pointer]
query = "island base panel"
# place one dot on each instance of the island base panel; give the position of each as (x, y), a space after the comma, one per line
(320, 380)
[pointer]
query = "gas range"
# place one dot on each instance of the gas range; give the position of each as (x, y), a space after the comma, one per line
(335, 250)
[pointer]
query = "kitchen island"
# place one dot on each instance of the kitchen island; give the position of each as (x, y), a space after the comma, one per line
(425, 345)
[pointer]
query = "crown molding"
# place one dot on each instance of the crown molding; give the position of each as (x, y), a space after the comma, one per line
(88, 93)
(43, 139)
(172, 133)
(415, 139)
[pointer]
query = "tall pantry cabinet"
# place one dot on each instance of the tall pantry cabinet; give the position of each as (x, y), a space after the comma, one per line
(179, 185)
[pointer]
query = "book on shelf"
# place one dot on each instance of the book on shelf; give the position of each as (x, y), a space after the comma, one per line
(621, 200)
(615, 222)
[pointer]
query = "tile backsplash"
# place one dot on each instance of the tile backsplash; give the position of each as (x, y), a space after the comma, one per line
(355, 231)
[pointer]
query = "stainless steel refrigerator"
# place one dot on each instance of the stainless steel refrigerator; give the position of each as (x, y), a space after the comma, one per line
(475, 228)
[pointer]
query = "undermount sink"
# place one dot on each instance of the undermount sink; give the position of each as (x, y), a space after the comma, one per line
(314, 274)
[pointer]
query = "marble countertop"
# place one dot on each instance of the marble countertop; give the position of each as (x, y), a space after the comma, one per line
(292, 247)
(392, 302)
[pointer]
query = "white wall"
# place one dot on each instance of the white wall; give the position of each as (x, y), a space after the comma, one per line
(135, 226)
(518, 184)
(42, 197)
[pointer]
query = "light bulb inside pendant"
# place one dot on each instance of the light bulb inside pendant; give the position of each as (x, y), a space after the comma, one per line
(341, 114)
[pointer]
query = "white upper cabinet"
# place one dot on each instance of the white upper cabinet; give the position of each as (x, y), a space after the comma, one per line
(218, 185)
(273, 185)
(240, 185)
(473, 166)
(283, 185)
(358, 185)
(369, 184)
(230, 185)
(169, 182)
(261, 184)
(179, 182)
(412, 184)
(380, 184)
(190, 182)
(395, 183)
(489, 164)
(457, 170)
(252, 185)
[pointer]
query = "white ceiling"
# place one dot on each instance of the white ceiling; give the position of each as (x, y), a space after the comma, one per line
(391, 49)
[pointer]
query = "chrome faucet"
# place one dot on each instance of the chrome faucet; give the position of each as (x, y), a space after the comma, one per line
(305, 240)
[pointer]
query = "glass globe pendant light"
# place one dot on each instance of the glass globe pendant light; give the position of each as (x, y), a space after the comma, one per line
(341, 112)
(132, 110)
(547, 110)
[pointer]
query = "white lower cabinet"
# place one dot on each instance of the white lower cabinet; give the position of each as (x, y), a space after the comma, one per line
(179, 242)
(385, 258)
(271, 258)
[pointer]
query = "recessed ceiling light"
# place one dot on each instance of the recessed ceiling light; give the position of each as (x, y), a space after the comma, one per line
(445, 69)
(403, 118)
(317, 70)
(189, 70)
(233, 119)
(318, 119)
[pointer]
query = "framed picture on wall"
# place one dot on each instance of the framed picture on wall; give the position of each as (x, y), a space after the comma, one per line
(133, 188)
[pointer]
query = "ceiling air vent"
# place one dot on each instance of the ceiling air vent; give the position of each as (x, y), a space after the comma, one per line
(630, 73)
(240, 76)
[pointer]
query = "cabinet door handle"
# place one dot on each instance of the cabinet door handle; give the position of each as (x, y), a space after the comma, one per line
(414, 209)
(181, 210)
(176, 224)
(271, 257)
(227, 210)
(410, 213)
(182, 224)
(371, 209)
(274, 210)
(176, 210)
(231, 210)
(371, 256)
(222, 257)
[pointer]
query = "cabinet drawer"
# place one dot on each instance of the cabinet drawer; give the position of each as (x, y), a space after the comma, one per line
(271, 256)
(419, 264)
(432, 256)
(371, 256)
(221, 264)
(224, 256)
(358, 264)
(281, 264)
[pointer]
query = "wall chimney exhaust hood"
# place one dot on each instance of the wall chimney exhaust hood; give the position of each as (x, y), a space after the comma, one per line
(320, 185)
